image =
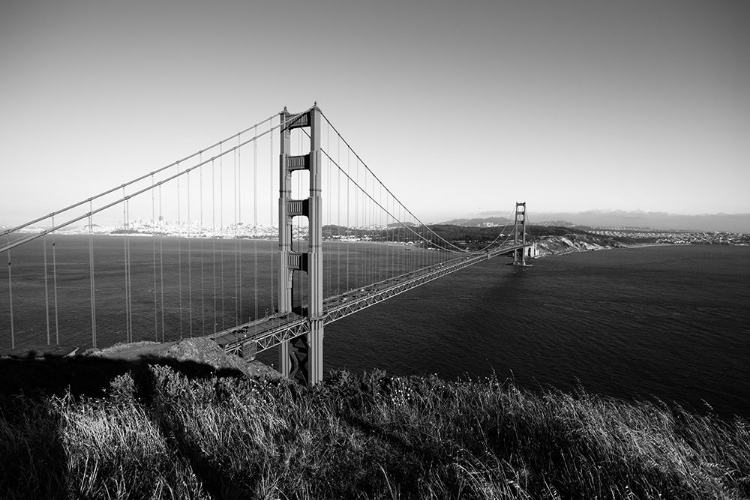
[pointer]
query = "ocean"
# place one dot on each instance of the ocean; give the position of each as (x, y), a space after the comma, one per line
(665, 322)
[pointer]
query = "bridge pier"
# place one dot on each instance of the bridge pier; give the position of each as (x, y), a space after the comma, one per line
(306, 360)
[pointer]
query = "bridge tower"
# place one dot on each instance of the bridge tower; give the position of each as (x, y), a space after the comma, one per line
(519, 256)
(304, 358)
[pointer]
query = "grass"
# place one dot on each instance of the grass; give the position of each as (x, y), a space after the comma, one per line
(161, 434)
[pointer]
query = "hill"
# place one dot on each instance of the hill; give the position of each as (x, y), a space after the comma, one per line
(162, 433)
(735, 223)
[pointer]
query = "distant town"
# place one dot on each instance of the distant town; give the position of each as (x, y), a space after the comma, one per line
(482, 228)
(675, 237)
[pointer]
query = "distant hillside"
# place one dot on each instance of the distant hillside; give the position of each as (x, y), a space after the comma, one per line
(479, 222)
(555, 223)
(736, 223)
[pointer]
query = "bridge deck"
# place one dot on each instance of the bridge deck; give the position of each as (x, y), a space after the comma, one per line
(266, 333)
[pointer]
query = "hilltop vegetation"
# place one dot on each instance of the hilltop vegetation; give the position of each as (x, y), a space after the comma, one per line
(161, 434)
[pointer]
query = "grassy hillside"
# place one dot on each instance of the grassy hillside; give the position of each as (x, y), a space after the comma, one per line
(161, 434)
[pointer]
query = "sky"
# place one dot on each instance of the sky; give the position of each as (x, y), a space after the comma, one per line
(460, 108)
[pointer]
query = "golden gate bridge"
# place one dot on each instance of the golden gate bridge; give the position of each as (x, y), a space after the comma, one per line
(239, 244)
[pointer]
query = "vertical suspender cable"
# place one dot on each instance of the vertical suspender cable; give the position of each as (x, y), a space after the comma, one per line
(203, 293)
(235, 188)
(356, 214)
(239, 214)
(388, 221)
(270, 214)
(10, 290)
(213, 233)
(383, 271)
(365, 225)
(255, 222)
(54, 284)
(91, 269)
(368, 256)
(371, 224)
(380, 232)
(426, 259)
(179, 247)
(126, 270)
(221, 228)
(338, 218)
(153, 244)
(125, 259)
(405, 256)
(161, 265)
(394, 227)
(328, 193)
(128, 280)
(46, 290)
(190, 260)
(348, 226)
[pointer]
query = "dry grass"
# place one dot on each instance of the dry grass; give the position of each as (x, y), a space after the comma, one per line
(368, 436)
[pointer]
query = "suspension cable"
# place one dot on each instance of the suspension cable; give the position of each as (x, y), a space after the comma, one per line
(352, 181)
(381, 182)
(139, 192)
(422, 237)
(143, 177)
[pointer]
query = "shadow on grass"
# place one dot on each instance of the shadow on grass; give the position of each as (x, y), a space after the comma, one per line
(87, 375)
(34, 459)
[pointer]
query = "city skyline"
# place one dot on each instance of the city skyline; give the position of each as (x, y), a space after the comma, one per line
(459, 109)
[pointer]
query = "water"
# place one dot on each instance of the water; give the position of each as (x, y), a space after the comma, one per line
(668, 322)
(175, 285)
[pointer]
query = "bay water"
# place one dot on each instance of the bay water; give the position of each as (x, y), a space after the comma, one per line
(666, 322)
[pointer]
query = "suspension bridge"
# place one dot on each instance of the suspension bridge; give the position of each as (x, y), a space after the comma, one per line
(235, 242)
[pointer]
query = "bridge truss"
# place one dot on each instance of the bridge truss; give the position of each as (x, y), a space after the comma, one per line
(266, 333)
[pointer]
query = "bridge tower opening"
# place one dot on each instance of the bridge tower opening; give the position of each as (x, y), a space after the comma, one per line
(303, 359)
(519, 256)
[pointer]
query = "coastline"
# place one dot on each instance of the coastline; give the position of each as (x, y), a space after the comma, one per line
(572, 243)
(548, 246)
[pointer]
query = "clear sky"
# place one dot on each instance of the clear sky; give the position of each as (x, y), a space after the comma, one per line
(460, 107)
